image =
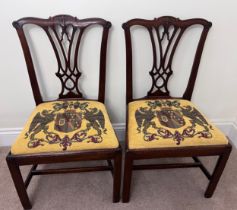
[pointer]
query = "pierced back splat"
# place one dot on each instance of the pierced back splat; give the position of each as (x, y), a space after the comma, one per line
(165, 34)
(64, 33)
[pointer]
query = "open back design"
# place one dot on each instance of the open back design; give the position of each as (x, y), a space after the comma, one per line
(160, 126)
(64, 33)
(71, 129)
(165, 34)
(71, 124)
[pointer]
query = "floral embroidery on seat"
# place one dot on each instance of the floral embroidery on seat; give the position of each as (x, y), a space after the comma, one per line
(175, 121)
(66, 117)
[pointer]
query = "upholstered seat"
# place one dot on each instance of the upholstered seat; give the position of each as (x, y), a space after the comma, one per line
(73, 128)
(170, 123)
(161, 126)
(66, 126)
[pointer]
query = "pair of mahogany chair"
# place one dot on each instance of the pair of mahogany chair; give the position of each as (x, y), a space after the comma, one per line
(73, 129)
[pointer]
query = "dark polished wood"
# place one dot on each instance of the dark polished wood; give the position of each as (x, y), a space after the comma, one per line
(58, 29)
(160, 75)
(165, 166)
(19, 183)
(161, 72)
(203, 168)
(30, 175)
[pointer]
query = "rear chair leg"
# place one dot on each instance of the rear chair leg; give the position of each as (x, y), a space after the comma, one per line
(127, 178)
(111, 166)
(117, 177)
(219, 168)
(19, 183)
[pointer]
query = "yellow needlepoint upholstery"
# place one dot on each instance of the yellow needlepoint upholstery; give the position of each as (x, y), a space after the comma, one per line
(66, 126)
(169, 123)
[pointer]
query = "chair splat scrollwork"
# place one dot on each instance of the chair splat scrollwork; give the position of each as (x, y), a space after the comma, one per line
(165, 34)
(65, 34)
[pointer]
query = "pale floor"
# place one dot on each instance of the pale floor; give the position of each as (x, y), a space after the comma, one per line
(173, 189)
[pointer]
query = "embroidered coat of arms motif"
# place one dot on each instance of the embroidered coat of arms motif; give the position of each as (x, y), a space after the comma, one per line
(66, 119)
(168, 119)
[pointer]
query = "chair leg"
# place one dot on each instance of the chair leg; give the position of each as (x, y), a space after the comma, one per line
(127, 178)
(111, 166)
(219, 168)
(117, 177)
(19, 183)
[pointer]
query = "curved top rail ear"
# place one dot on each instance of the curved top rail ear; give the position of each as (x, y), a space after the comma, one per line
(159, 29)
(166, 20)
(60, 29)
(60, 19)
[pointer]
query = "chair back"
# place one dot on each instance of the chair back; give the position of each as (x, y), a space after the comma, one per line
(65, 34)
(164, 29)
